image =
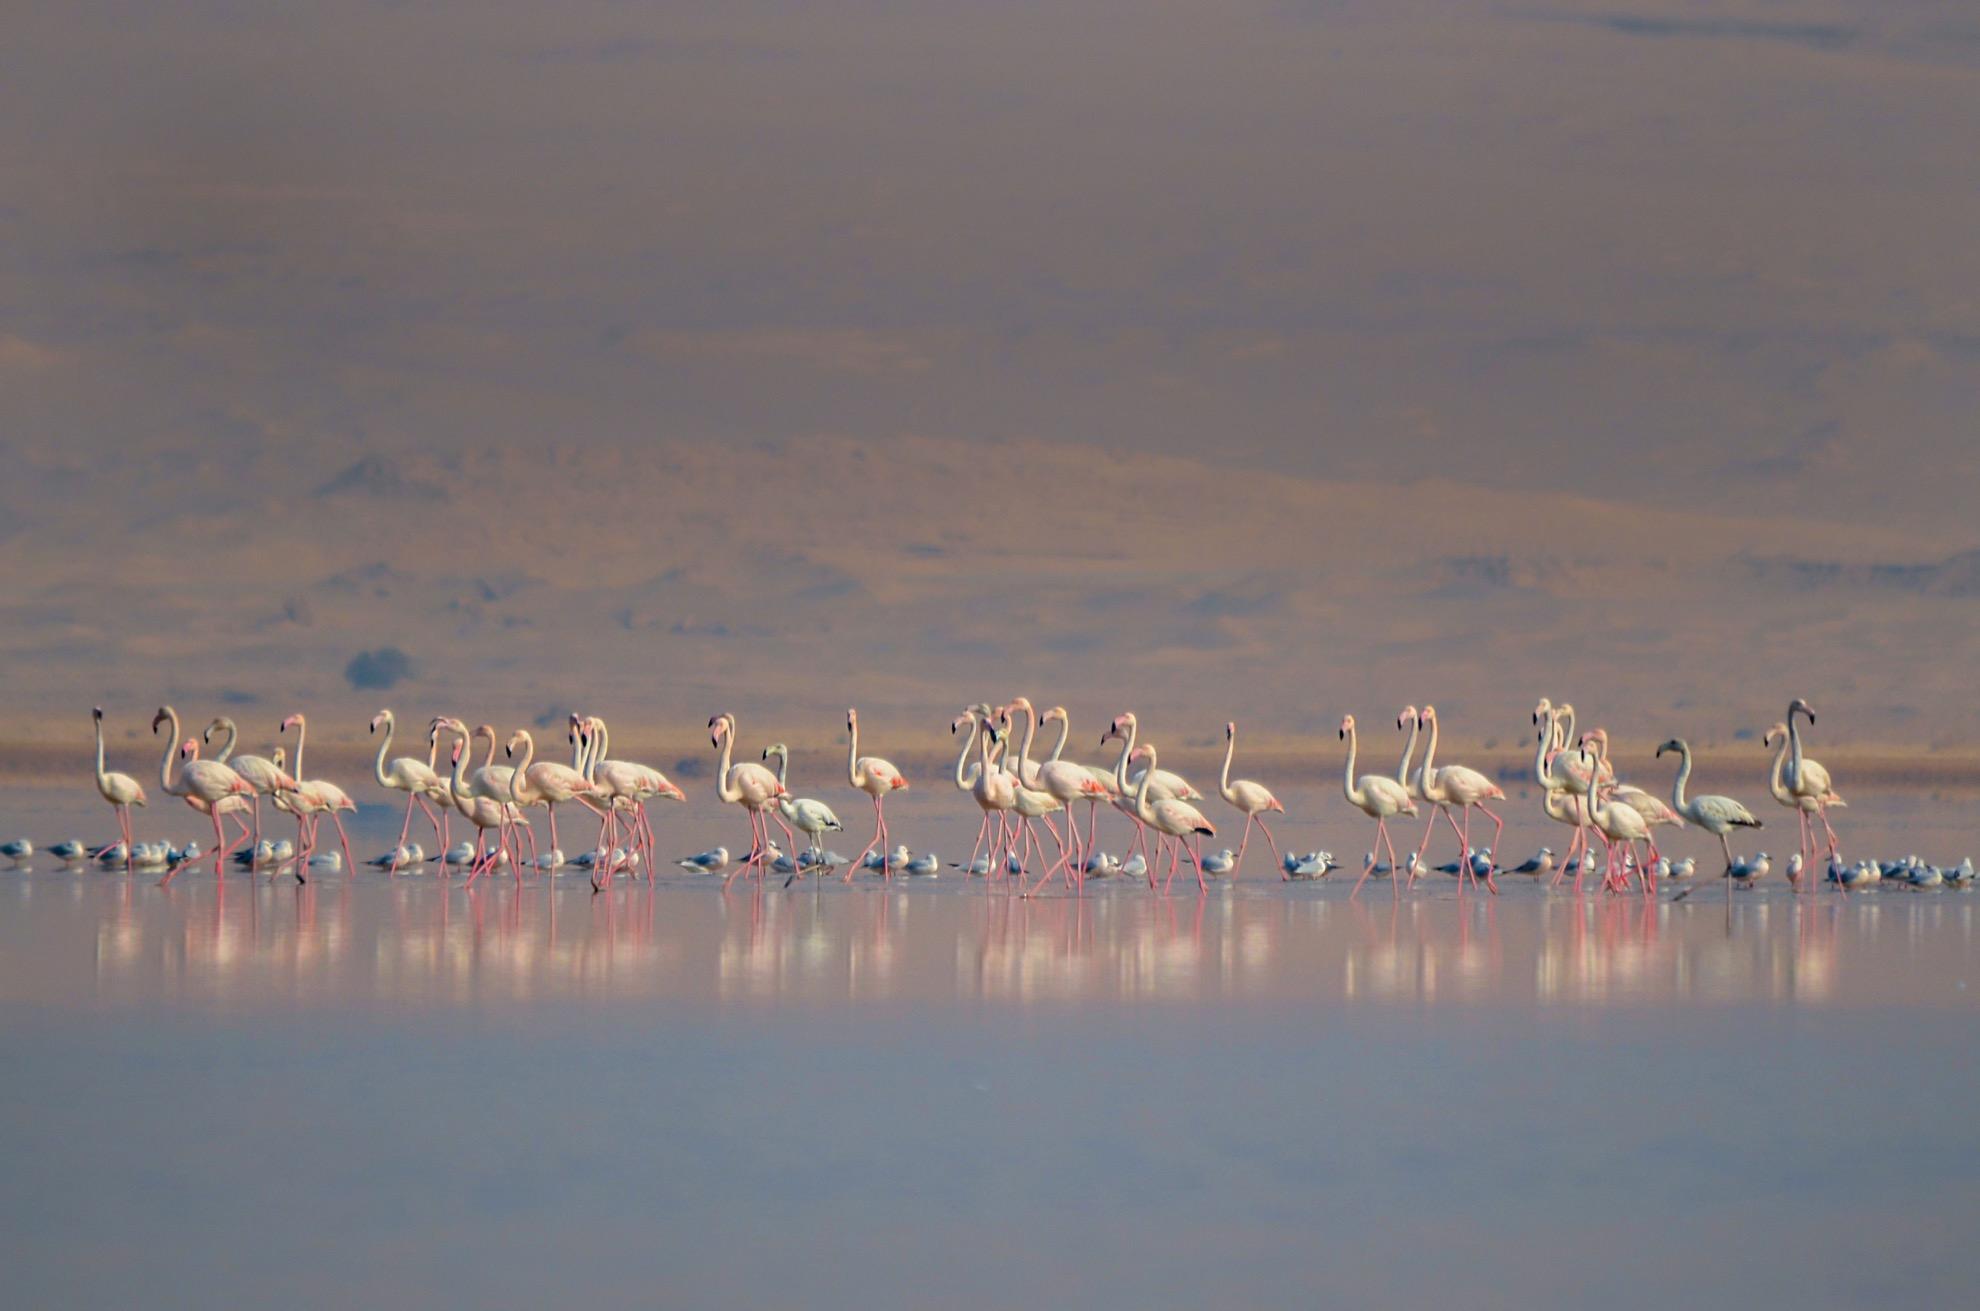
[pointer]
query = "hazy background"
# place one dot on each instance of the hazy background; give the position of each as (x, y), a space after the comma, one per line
(1255, 361)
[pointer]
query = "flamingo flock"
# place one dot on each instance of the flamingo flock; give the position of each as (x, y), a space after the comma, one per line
(1029, 837)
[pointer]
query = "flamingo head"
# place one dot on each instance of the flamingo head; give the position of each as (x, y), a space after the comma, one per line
(1230, 729)
(1798, 705)
(189, 749)
(852, 717)
(955, 725)
(97, 714)
(1672, 745)
(293, 721)
(380, 718)
(1347, 726)
(455, 757)
(1056, 712)
(163, 716)
(1406, 718)
(1544, 710)
(1426, 716)
(717, 725)
(509, 748)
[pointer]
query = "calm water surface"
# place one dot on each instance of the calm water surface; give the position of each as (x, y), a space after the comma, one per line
(385, 1092)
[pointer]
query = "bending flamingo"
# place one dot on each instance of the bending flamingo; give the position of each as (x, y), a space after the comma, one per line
(264, 775)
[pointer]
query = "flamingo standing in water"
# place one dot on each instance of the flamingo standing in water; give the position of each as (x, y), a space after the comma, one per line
(120, 790)
(1620, 825)
(1805, 807)
(989, 787)
(266, 777)
(750, 786)
(408, 774)
(1379, 797)
(1717, 815)
(318, 796)
(877, 778)
(484, 813)
(549, 784)
(1070, 781)
(1173, 818)
(1254, 799)
(1809, 781)
(1465, 788)
(630, 786)
(202, 784)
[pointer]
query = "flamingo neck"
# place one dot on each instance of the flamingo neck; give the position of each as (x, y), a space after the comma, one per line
(1794, 748)
(1224, 779)
(384, 745)
(1065, 731)
(171, 747)
(1774, 777)
(1142, 810)
(1347, 772)
(722, 788)
(302, 732)
(1683, 777)
(1429, 766)
(233, 736)
(101, 777)
(520, 790)
(964, 780)
(1409, 749)
(1127, 752)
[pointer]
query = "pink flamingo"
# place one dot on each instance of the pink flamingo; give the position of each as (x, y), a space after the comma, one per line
(120, 790)
(203, 784)
(415, 777)
(875, 777)
(629, 785)
(1463, 787)
(751, 786)
(1061, 778)
(1254, 799)
(317, 796)
(1620, 825)
(992, 788)
(484, 813)
(1381, 798)
(1809, 781)
(1173, 818)
(549, 784)
(264, 775)
(1066, 782)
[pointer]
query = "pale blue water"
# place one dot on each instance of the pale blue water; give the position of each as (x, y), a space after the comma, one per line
(379, 1092)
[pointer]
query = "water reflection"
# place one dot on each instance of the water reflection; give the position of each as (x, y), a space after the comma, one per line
(416, 941)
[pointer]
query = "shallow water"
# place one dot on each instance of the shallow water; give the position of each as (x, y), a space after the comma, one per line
(379, 1090)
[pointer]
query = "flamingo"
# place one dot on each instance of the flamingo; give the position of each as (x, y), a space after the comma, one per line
(120, 790)
(408, 774)
(484, 813)
(807, 816)
(990, 787)
(202, 784)
(750, 786)
(1377, 796)
(1174, 818)
(629, 784)
(1063, 779)
(1254, 799)
(1809, 781)
(1618, 824)
(1777, 787)
(877, 778)
(1717, 815)
(265, 775)
(1461, 786)
(319, 796)
(547, 783)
